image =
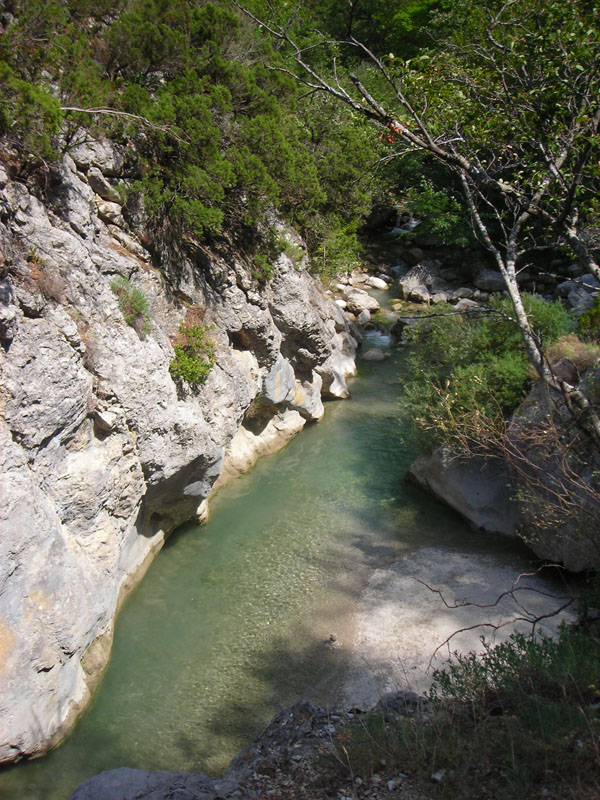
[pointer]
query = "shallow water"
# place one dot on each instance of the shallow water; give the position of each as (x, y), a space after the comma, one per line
(230, 622)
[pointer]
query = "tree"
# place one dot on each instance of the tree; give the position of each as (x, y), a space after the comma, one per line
(508, 104)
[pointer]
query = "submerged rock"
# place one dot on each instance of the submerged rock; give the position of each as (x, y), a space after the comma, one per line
(374, 354)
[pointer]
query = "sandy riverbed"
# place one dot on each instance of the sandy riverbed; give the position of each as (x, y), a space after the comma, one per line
(399, 622)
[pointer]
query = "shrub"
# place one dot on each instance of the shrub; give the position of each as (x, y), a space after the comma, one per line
(589, 322)
(262, 269)
(133, 304)
(464, 366)
(523, 666)
(513, 722)
(194, 356)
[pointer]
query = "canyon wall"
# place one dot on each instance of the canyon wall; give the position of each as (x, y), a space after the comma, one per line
(102, 453)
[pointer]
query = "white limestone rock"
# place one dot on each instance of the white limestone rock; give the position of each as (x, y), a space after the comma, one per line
(477, 490)
(376, 283)
(374, 354)
(101, 454)
(358, 300)
(307, 399)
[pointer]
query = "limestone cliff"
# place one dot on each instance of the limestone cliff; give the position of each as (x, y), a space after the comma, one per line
(102, 454)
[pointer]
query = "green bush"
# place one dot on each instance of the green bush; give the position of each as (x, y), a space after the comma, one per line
(524, 666)
(194, 356)
(133, 304)
(262, 269)
(463, 366)
(589, 322)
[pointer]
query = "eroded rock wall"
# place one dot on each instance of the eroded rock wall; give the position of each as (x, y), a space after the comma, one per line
(102, 455)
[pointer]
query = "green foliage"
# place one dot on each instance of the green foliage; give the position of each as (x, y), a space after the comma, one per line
(29, 115)
(263, 268)
(400, 28)
(464, 366)
(231, 141)
(523, 666)
(194, 356)
(338, 247)
(443, 214)
(589, 322)
(133, 304)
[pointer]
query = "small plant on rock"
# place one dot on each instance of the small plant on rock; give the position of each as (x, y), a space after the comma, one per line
(133, 304)
(194, 356)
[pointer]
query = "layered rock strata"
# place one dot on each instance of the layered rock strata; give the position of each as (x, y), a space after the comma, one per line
(102, 453)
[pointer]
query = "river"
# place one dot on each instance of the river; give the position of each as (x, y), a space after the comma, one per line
(232, 619)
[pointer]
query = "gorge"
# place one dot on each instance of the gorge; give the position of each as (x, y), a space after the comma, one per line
(203, 206)
(233, 619)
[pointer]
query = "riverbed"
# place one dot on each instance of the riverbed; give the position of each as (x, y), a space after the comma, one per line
(302, 585)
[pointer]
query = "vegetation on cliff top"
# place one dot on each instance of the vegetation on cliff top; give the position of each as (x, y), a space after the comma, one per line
(219, 137)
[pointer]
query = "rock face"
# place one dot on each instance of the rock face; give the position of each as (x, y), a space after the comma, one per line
(478, 490)
(102, 453)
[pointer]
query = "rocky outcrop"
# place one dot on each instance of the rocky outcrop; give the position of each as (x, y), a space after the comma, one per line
(102, 453)
(479, 490)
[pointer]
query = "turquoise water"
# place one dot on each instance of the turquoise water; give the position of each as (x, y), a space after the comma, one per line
(230, 621)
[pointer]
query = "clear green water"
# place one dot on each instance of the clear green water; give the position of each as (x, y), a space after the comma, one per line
(229, 623)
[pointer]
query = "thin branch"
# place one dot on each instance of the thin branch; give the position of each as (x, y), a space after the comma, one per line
(136, 117)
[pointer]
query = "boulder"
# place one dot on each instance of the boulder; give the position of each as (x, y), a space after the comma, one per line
(464, 291)
(489, 280)
(374, 354)
(376, 283)
(101, 186)
(107, 157)
(419, 294)
(413, 255)
(476, 489)
(485, 494)
(422, 275)
(279, 384)
(138, 784)
(590, 281)
(580, 300)
(466, 305)
(339, 366)
(358, 300)
(364, 317)
(110, 212)
(307, 399)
